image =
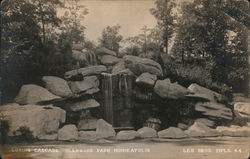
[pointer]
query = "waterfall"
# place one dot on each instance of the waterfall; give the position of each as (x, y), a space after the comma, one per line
(107, 88)
(117, 99)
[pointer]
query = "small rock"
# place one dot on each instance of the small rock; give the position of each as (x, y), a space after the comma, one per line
(146, 79)
(207, 122)
(104, 129)
(172, 132)
(147, 132)
(127, 135)
(120, 68)
(87, 135)
(68, 133)
(87, 124)
(200, 130)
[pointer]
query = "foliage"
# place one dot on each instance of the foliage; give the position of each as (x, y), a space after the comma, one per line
(165, 18)
(26, 134)
(71, 27)
(111, 38)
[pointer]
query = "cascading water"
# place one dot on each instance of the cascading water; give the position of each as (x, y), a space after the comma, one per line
(118, 93)
(107, 88)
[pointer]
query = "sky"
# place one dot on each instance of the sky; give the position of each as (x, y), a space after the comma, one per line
(130, 14)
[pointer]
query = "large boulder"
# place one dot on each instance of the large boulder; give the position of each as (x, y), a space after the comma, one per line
(234, 131)
(87, 124)
(109, 60)
(120, 68)
(166, 89)
(214, 110)
(86, 71)
(127, 135)
(86, 135)
(40, 120)
(146, 79)
(147, 132)
(198, 129)
(104, 129)
(172, 132)
(31, 94)
(86, 104)
(242, 109)
(140, 65)
(57, 86)
(68, 133)
(206, 93)
(104, 51)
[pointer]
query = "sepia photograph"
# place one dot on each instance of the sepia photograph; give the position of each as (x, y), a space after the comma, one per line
(118, 79)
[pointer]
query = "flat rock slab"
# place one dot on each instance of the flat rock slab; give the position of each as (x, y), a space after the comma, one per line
(172, 133)
(206, 93)
(147, 132)
(127, 135)
(104, 129)
(234, 131)
(68, 133)
(86, 71)
(57, 86)
(140, 65)
(166, 89)
(31, 94)
(214, 110)
(87, 104)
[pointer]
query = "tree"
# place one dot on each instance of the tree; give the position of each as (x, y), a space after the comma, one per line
(46, 14)
(111, 38)
(165, 19)
(72, 19)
